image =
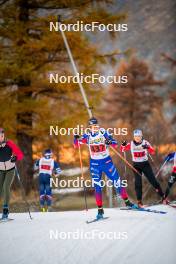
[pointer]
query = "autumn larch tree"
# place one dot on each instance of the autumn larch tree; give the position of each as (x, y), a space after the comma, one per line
(28, 52)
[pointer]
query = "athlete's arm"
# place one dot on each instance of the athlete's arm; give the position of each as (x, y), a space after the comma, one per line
(36, 165)
(150, 149)
(80, 140)
(125, 146)
(15, 150)
(110, 140)
(57, 169)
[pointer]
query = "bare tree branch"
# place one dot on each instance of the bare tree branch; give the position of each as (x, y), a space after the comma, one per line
(35, 5)
(169, 58)
(3, 2)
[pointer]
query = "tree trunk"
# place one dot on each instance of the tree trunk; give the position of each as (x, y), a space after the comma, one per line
(26, 166)
(24, 120)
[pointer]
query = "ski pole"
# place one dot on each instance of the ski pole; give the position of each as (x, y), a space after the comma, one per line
(75, 69)
(23, 192)
(82, 176)
(126, 162)
(125, 173)
(156, 176)
(153, 161)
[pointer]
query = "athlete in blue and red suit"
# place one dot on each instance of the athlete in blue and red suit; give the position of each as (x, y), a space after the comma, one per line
(98, 142)
(46, 166)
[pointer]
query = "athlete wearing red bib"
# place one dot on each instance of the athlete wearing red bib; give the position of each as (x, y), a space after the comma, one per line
(98, 142)
(140, 150)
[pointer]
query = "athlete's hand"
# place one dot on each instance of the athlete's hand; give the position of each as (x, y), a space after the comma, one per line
(124, 143)
(108, 141)
(13, 159)
(145, 146)
(76, 136)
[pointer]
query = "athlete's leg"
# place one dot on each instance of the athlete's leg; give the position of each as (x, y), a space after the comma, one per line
(42, 189)
(2, 179)
(171, 181)
(148, 172)
(112, 173)
(138, 184)
(9, 176)
(96, 174)
(48, 191)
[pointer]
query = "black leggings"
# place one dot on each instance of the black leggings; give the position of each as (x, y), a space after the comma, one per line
(171, 181)
(146, 169)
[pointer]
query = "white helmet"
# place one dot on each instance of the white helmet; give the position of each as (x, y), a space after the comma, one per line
(137, 133)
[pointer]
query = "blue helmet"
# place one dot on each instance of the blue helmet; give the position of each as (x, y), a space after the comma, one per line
(93, 121)
(137, 132)
(48, 153)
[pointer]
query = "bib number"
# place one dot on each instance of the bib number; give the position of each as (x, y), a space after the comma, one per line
(45, 167)
(97, 148)
(139, 154)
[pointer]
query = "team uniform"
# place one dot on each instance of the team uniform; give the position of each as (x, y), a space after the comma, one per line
(46, 166)
(172, 179)
(139, 152)
(100, 161)
(9, 154)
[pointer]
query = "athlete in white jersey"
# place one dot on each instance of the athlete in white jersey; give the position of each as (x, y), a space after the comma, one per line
(140, 149)
(46, 166)
(139, 152)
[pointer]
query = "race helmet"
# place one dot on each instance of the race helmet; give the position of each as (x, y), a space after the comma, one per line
(48, 153)
(137, 133)
(93, 121)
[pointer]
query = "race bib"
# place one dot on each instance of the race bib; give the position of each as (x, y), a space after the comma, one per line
(97, 148)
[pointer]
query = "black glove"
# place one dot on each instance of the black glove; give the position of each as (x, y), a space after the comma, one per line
(108, 141)
(124, 143)
(13, 159)
(145, 146)
(76, 137)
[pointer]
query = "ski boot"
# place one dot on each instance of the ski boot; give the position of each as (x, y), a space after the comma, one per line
(43, 209)
(49, 209)
(165, 201)
(140, 204)
(100, 213)
(5, 212)
(128, 203)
